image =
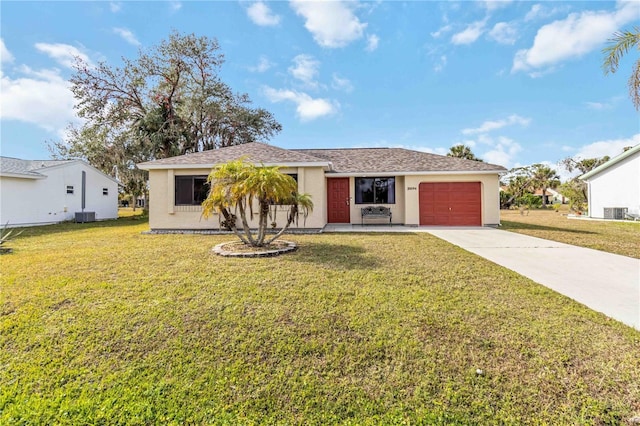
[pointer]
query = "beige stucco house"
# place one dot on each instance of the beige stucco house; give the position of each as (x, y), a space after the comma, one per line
(419, 188)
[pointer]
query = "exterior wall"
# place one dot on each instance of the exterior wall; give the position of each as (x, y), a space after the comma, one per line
(25, 202)
(617, 186)
(490, 188)
(164, 214)
(397, 209)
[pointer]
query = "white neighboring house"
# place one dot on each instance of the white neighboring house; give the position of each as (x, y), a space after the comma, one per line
(615, 186)
(51, 191)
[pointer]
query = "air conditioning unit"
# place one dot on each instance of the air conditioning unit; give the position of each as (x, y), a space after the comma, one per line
(82, 217)
(615, 212)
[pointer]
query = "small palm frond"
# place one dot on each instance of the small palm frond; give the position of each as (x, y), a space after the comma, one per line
(7, 235)
(618, 46)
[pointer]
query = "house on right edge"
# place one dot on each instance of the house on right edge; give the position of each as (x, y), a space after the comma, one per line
(614, 187)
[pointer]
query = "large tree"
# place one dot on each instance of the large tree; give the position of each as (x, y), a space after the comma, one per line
(584, 165)
(462, 151)
(543, 178)
(519, 185)
(239, 187)
(575, 189)
(168, 101)
(619, 45)
(522, 182)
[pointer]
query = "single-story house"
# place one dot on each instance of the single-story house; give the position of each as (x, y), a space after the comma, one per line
(551, 196)
(614, 187)
(50, 191)
(418, 188)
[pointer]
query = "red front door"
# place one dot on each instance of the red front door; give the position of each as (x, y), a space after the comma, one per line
(338, 200)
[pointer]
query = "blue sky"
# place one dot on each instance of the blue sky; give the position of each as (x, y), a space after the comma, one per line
(520, 82)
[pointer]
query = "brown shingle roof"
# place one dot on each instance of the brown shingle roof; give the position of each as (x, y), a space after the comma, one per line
(383, 160)
(255, 152)
(347, 160)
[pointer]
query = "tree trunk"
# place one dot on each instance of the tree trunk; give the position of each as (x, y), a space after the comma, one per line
(245, 225)
(234, 228)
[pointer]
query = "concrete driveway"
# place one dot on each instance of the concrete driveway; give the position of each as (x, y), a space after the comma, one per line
(605, 282)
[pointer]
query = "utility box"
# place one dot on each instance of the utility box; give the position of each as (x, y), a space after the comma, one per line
(615, 212)
(82, 217)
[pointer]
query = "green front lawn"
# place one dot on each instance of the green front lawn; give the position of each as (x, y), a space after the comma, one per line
(103, 325)
(613, 237)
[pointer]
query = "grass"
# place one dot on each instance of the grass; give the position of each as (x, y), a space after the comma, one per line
(614, 237)
(100, 324)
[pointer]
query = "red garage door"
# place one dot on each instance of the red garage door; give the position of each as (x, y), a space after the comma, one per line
(450, 204)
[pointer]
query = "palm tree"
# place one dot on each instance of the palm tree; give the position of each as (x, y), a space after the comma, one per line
(544, 177)
(238, 186)
(618, 46)
(462, 151)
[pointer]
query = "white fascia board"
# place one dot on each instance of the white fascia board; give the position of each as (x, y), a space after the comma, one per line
(439, 173)
(613, 161)
(211, 166)
(21, 176)
(67, 164)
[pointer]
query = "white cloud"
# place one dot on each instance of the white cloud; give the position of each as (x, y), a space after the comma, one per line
(573, 37)
(343, 84)
(504, 33)
(5, 55)
(539, 11)
(305, 69)
(115, 6)
(441, 31)
(127, 35)
(495, 4)
(175, 5)
(372, 42)
(263, 65)
(488, 126)
(503, 152)
(612, 147)
(41, 97)
(332, 23)
(598, 106)
(533, 13)
(604, 105)
(469, 34)
(307, 108)
(440, 64)
(63, 54)
(261, 15)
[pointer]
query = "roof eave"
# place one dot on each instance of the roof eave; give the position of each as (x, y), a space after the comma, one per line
(615, 160)
(151, 166)
(22, 175)
(417, 173)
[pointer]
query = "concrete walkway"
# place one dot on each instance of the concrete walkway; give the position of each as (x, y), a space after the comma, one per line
(604, 282)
